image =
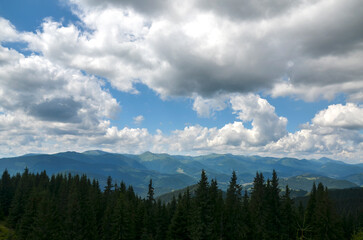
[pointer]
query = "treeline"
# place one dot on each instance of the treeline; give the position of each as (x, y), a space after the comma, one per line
(74, 207)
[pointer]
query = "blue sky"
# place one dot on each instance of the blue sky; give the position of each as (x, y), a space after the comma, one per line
(131, 77)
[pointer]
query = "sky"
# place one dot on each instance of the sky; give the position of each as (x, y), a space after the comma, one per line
(272, 78)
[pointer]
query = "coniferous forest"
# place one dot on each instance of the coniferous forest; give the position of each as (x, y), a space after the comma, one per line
(36, 206)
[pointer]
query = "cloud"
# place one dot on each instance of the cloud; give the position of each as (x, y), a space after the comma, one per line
(348, 116)
(7, 31)
(146, 7)
(111, 50)
(58, 109)
(206, 107)
(319, 141)
(333, 131)
(139, 119)
(44, 106)
(266, 125)
(199, 48)
(36, 86)
(216, 54)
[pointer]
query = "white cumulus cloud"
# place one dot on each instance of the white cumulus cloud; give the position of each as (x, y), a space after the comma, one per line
(139, 119)
(346, 116)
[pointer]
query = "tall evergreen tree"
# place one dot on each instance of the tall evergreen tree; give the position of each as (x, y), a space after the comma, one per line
(287, 217)
(257, 207)
(217, 208)
(22, 193)
(121, 227)
(272, 220)
(180, 226)
(246, 218)
(202, 219)
(149, 216)
(233, 210)
(6, 193)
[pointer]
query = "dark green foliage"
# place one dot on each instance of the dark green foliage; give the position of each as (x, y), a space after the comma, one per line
(257, 207)
(180, 226)
(202, 212)
(232, 214)
(66, 207)
(287, 217)
(6, 194)
(273, 219)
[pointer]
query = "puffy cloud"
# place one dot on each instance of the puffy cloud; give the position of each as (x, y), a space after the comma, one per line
(316, 141)
(44, 106)
(111, 50)
(233, 137)
(139, 119)
(7, 31)
(345, 116)
(333, 132)
(214, 53)
(47, 91)
(199, 48)
(266, 125)
(205, 107)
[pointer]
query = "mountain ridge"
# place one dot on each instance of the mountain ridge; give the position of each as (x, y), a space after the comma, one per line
(172, 172)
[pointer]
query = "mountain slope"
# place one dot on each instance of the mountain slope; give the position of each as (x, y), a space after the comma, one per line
(305, 182)
(355, 178)
(175, 172)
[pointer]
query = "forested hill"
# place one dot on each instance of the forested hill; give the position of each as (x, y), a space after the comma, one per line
(170, 172)
(62, 207)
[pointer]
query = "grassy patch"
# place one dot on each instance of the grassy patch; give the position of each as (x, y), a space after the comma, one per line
(6, 233)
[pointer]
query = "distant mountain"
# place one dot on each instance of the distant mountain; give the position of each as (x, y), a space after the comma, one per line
(299, 185)
(302, 184)
(346, 201)
(355, 178)
(170, 172)
(305, 182)
(168, 197)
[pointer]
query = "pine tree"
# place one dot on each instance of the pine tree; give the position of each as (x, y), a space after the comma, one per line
(257, 207)
(272, 220)
(217, 207)
(22, 193)
(150, 193)
(150, 212)
(287, 217)
(120, 222)
(27, 219)
(325, 219)
(41, 227)
(233, 213)
(321, 217)
(202, 220)
(180, 226)
(6, 193)
(246, 218)
(161, 221)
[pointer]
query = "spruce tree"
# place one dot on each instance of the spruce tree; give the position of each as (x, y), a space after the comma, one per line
(180, 226)
(217, 208)
(246, 218)
(272, 220)
(257, 207)
(6, 193)
(232, 226)
(202, 219)
(287, 216)
(22, 193)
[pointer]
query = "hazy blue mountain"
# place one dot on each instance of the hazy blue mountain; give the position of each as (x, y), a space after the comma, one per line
(355, 178)
(171, 172)
(299, 185)
(305, 182)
